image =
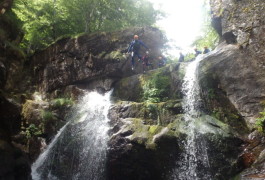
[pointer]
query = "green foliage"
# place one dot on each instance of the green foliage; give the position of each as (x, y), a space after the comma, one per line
(152, 110)
(46, 20)
(59, 102)
(32, 130)
(189, 57)
(156, 89)
(260, 122)
(210, 37)
(154, 129)
(47, 115)
(217, 114)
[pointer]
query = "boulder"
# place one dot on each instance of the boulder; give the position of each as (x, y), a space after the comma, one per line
(10, 118)
(90, 57)
(155, 86)
(150, 137)
(14, 163)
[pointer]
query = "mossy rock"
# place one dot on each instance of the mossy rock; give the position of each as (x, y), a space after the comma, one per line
(32, 111)
(162, 113)
(147, 135)
(155, 86)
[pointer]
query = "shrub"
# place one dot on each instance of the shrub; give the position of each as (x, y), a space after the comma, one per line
(157, 88)
(47, 115)
(260, 122)
(32, 130)
(62, 102)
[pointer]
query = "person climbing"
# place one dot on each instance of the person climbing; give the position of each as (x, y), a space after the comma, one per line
(197, 52)
(206, 50)
(146, 61)
(134, 48)
(181, 57)
(162, 61)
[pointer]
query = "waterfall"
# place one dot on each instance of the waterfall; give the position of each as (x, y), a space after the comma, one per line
(78, 151)
(194, 163)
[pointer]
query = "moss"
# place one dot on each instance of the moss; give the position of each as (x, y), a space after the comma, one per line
(176, 126)
(154, 129)
(260, 122)
(217, 114)
(144, 134)
(102, 54)
(59, 102)
(27, 108)
(151, 146)
(220, 13)
(238, 177)
(263, 103)
(246, 10)
(47, 115)
(115, 55)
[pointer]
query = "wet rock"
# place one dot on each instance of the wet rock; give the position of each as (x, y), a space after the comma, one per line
(13, 163)
(128, 157)
(91, 57)
(32, 111)
(2, 75)
(134, 133)
(10, 118)
(238, 75)
(154, 86)
(36, 146)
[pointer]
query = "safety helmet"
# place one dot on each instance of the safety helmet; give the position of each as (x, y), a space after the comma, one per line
(135, 37)
(147, 52)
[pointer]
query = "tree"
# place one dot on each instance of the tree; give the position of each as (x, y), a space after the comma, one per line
(46, 20)
(209, 37)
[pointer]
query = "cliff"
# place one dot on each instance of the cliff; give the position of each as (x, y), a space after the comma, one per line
(88, 58)
(235, 69)
(148, 128)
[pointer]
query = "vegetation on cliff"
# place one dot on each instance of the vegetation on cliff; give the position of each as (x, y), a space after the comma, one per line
(260, 122)
(44, 21)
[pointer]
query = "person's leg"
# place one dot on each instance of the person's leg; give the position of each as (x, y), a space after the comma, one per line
(132, 60)
(139, 56)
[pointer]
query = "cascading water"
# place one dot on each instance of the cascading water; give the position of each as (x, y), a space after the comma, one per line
(194, 164)
(78, 151)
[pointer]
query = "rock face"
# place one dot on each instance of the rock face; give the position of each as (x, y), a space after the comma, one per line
(148, 134)
(90, 58)
(146, 126)
(11, 57)
(235, 70)
(241, 70)
(14, 163)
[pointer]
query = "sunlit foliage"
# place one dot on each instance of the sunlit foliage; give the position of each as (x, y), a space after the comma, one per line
(47, 20)
(209, 37)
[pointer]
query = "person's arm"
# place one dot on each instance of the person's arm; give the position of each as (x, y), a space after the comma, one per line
(130, 47)
(142, 43)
